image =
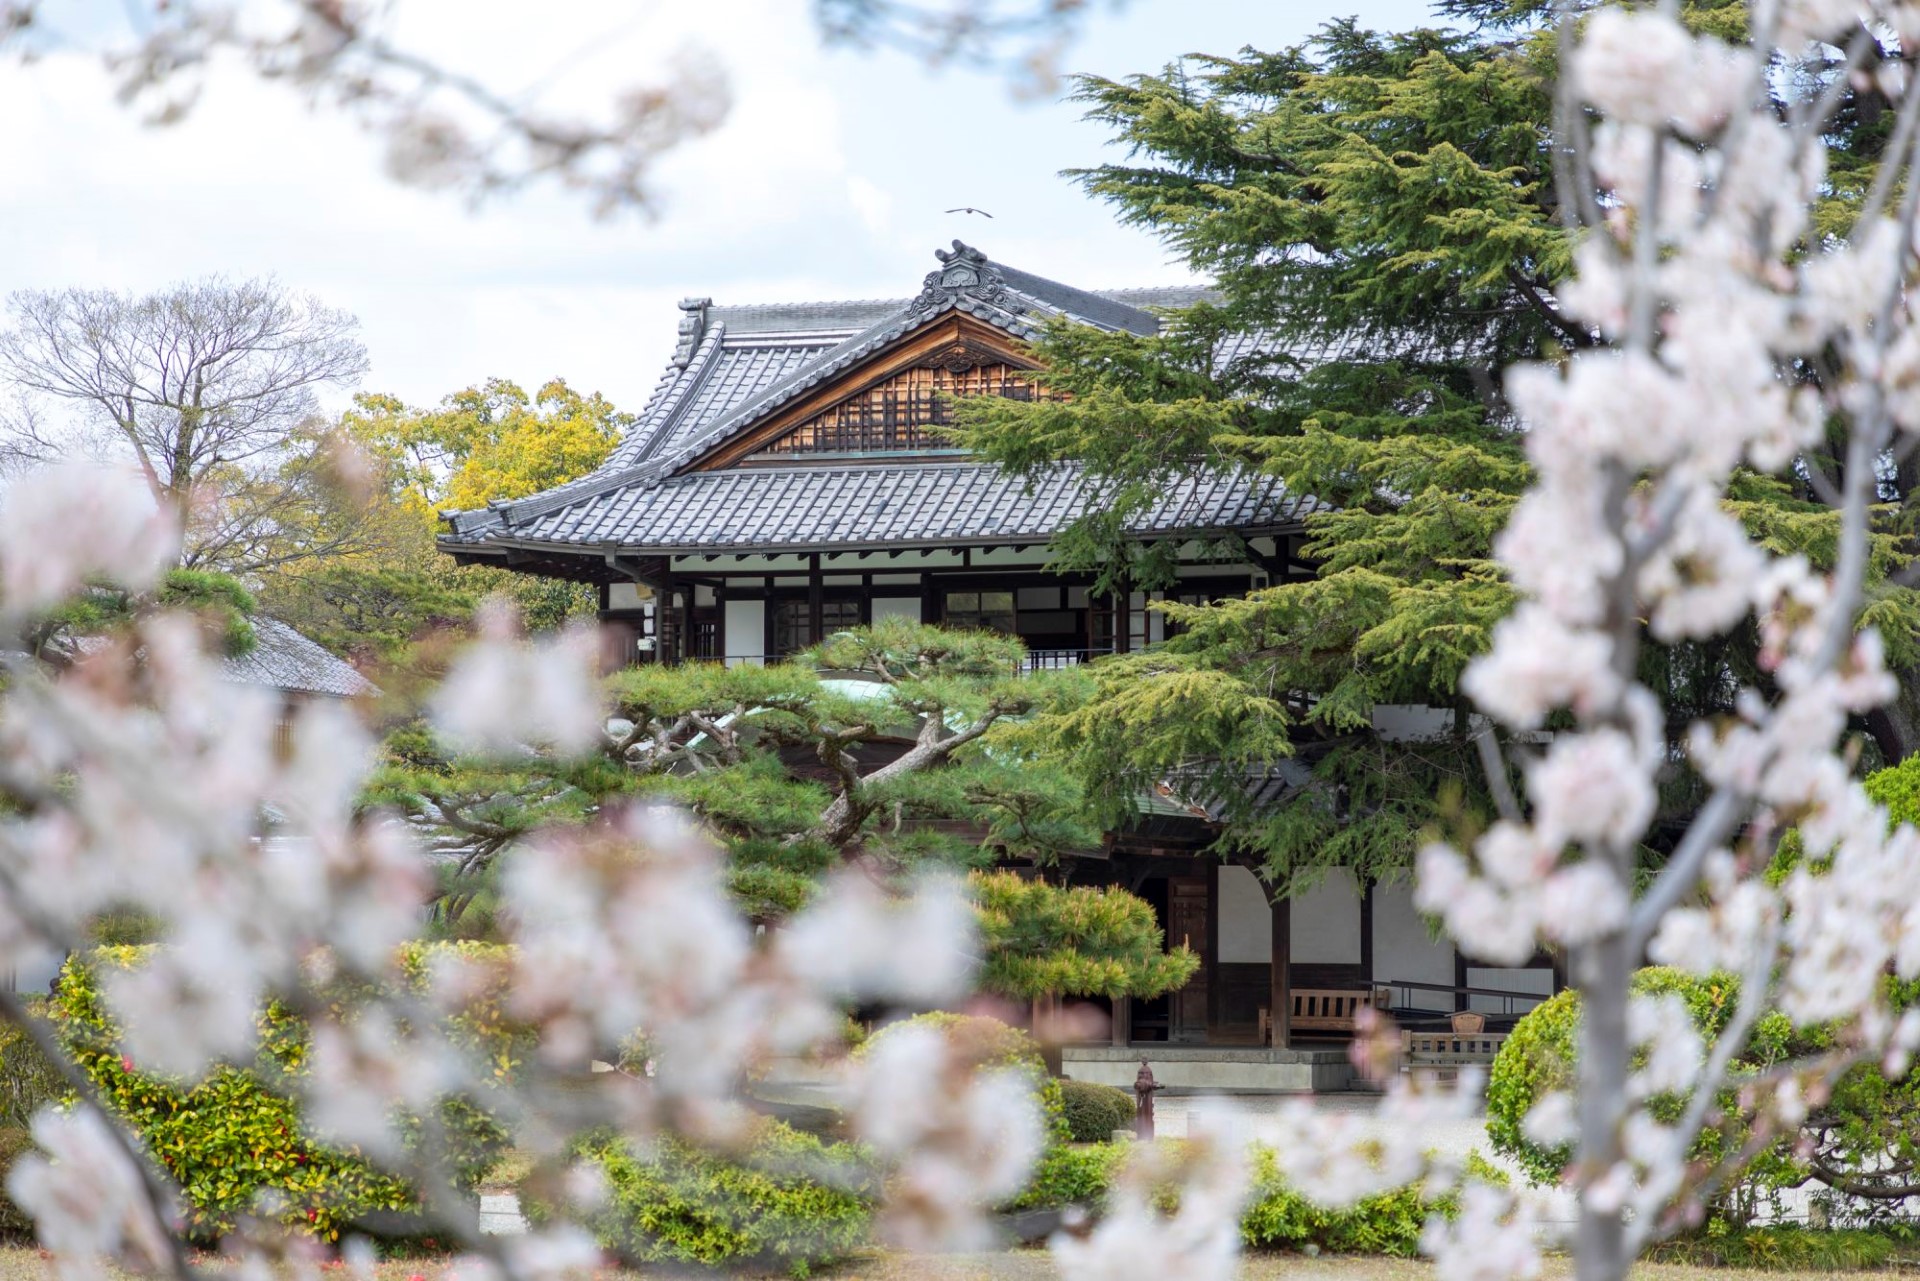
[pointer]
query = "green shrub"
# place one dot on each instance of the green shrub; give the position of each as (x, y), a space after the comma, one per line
(1071, 1176)
(234, 1141)
(1279, 1218)
(14, 1144)
(1093, 1111)
(1541, 1054)
(987, 1044)
(791, 1201)
(1536, 1059)
(1781, 1249)
(27, 1081)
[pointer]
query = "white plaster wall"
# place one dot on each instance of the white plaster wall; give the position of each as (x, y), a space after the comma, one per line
(1403, 948)
(746, 626)
(896, 607)
(1504, 979)
(625, 596)
(1326, 922)
(1404, 722)
(1246, 922)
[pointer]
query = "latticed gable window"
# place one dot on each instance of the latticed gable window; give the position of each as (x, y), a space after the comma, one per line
(900, 414)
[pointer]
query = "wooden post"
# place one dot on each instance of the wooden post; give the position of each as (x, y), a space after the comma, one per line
(686, 621)
(1366, 932)
(1122, 1021)
(1282, 984)
(1213, 951)
(816, 600)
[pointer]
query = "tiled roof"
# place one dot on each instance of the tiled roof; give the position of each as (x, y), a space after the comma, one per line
(284, 659)
(763, 509)
(735, 365)
(281, 658)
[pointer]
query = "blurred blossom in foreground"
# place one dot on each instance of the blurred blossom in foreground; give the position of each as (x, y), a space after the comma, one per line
(505, 694)
(1139, 1239)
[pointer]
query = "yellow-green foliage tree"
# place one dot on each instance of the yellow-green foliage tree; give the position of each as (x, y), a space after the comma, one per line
(486, 442)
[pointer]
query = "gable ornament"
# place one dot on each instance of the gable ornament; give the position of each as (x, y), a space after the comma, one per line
(963, 270)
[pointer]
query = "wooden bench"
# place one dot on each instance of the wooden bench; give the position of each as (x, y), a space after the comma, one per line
(1322, 1010)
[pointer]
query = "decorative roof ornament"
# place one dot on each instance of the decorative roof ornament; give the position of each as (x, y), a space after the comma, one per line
(693, 327)
(964, 271)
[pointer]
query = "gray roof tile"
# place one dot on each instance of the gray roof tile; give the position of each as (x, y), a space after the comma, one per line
(762, 509)
(284, 659)
(734, 365)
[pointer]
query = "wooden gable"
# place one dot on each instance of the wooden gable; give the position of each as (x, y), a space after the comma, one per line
(890, 402)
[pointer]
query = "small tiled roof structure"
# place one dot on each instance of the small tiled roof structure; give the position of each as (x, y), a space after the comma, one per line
(734, 367)
(283, 659)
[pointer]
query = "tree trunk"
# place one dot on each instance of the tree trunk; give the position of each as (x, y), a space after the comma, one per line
(1604, 973)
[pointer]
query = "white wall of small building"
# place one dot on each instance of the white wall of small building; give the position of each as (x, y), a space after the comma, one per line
(1326, 922)
(1246, 922)
(1535, 982)
(745, 626)
(1404, 949)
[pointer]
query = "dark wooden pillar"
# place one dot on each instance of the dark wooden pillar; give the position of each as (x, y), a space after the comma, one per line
(1282, 980)
(816, 599)
(769, 614)
(1366, 931)
(866, 600)
(1212, 953)
(929, 601)
(686, 621)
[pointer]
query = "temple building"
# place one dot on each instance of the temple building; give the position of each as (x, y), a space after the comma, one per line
(787, 479)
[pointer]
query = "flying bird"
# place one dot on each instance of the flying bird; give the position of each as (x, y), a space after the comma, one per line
(970, 209)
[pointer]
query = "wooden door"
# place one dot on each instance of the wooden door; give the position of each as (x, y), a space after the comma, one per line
(1187, 903)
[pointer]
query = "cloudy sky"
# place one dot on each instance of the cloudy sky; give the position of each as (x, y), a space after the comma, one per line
(829, 180)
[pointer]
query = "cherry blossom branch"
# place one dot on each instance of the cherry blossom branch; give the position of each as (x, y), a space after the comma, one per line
(158, 1198)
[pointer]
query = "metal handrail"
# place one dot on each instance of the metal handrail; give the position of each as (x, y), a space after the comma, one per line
(1034, 660)
(1506, 995)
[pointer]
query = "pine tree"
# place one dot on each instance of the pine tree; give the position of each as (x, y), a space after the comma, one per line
(1379, 212)
(878, 747)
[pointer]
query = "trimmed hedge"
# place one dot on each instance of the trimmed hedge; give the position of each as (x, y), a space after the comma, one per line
(1541, 1054)
(1279, 1218)
(791, 1201)
(1071, 1176)
(14, 1222)
(1276, 1216)
(234, 1141)
(1093, 1112)
(27, 1081)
